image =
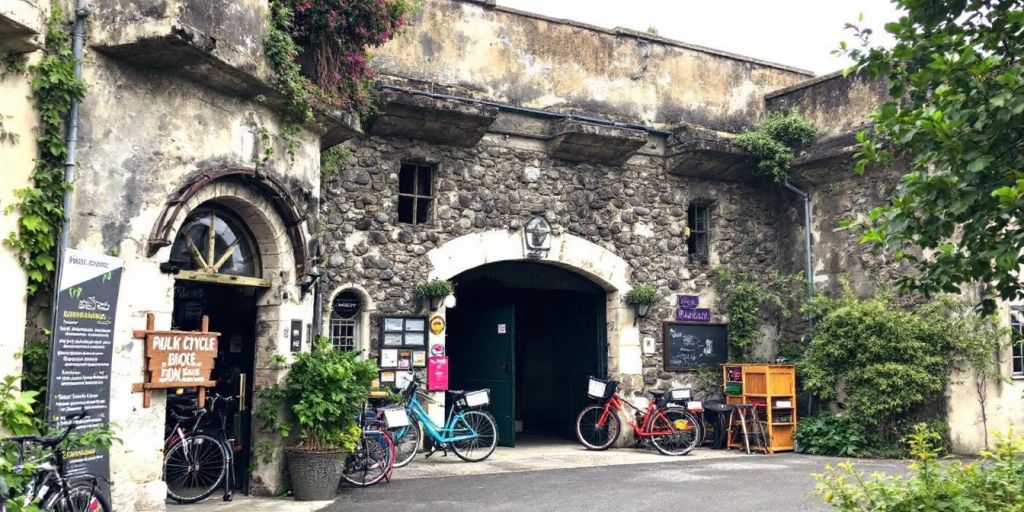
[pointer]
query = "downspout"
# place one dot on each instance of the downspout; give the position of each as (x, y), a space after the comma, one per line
(808, 251)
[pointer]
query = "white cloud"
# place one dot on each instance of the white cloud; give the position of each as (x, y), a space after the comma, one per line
(800, 33)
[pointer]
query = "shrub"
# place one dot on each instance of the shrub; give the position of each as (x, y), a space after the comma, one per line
(773, 141)
(642, 295)
(324, 392)
(831, 434)
(994, 484)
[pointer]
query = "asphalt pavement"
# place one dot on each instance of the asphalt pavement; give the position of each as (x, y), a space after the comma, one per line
(758, 483)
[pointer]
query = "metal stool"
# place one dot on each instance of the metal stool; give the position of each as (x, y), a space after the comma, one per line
(716, 414)
(750, 427)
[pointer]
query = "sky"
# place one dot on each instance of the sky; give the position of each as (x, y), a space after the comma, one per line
(799, 33)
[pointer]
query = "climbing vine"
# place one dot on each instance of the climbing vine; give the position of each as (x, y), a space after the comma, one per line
(54, 87)
(746, 298)
(774, 142)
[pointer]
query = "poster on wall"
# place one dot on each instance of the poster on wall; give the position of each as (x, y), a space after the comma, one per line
(81, 351)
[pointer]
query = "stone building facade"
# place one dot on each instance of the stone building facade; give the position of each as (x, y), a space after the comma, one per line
(618, 139)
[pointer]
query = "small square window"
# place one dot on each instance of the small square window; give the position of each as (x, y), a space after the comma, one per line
(697, 243)
(415, 193)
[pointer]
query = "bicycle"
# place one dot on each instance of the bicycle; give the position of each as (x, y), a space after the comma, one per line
(471, 434)
(373, 457)
(671, 429)
(198, 460)
(49, 485)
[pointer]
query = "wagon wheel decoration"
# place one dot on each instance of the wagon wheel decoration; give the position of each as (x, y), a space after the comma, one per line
(211, 262)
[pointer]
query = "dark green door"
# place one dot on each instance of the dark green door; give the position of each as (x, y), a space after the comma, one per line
(481, 351)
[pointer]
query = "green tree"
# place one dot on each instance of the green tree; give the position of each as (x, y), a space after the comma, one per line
(956, 118)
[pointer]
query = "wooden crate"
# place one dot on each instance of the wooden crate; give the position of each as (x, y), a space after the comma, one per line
(773, 388)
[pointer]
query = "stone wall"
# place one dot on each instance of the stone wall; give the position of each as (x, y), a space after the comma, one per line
(500, 54)
(636, 211)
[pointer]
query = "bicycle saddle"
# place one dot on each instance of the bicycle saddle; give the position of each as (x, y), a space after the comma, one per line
(718, 407)
(455, 393)
(656, 392)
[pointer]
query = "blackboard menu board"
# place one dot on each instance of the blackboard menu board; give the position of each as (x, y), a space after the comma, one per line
(686, 346)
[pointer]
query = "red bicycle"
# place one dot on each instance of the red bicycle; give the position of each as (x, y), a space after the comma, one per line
(671, 429)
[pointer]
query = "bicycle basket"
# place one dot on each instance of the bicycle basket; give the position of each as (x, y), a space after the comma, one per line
(600, 389)
(477, 398)
(396, 417)
(679, 394)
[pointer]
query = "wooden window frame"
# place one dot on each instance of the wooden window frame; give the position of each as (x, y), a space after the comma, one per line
(692, 246)
(417, 170)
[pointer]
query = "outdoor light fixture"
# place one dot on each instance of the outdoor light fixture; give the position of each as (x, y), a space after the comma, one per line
(537, 236)
(307, 282)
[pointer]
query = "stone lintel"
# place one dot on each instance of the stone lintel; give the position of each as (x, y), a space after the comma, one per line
(581, 141)
(703, 153)
(21, 25)
(441, 120)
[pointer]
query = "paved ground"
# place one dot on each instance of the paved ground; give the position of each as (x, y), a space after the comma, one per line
(778, 483)
(544, 474)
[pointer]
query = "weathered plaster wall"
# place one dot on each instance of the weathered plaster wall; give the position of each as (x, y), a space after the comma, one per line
(144, 134)
(528, 60)
(835, 104)
(634, 214)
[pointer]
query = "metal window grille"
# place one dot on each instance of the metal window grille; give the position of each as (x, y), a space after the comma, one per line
(1017, 354)
(697, 221)
(415, 193)
(344, 333)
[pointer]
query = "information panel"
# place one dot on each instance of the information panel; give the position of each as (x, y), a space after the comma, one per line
(81, 349)
(687, 346)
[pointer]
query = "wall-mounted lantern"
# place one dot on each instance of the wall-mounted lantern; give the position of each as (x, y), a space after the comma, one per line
(537, 237)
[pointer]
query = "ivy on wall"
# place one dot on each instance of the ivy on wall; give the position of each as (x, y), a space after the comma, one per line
(746, 298)
(774, 142)
(54, 87)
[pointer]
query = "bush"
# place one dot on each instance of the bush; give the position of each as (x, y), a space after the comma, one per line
(831, 434)
(993, 485)
(324, 392)
(773, 143)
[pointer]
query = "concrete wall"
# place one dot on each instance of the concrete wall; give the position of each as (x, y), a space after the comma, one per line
(835, 104)
(21, 26)
(508, 56)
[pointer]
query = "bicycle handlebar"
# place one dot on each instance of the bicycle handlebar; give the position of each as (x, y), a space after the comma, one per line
(51, 442)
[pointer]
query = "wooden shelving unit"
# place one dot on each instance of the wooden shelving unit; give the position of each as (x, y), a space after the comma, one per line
(772, 389)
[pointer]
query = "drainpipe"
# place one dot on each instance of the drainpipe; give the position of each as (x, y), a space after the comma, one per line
(808, 250)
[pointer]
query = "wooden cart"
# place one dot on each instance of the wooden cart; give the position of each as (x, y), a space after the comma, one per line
(772, 390)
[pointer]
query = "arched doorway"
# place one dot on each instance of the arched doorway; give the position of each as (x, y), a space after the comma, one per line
(531, 333)
(219, 274)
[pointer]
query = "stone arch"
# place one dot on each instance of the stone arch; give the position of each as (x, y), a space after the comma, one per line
(596, 263)
(365, 314)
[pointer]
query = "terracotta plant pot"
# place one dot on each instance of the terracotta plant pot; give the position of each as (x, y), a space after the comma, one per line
(314, 474)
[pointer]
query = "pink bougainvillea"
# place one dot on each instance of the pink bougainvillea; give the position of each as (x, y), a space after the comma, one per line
(335, 36)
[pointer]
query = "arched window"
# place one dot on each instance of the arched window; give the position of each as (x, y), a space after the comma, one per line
(344, 330)
(213, 244)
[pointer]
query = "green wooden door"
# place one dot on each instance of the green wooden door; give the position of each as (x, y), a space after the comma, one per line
(481, 350)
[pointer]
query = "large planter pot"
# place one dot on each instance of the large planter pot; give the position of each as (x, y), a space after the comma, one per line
(315, 474)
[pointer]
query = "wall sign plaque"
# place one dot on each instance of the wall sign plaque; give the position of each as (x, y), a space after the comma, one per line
(701, 315)
(346, 304)
(437, 324)
(177, 359)
(687, 301)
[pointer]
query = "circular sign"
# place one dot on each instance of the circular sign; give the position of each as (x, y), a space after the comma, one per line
(346, 304)
(437, 349)
(437, 325)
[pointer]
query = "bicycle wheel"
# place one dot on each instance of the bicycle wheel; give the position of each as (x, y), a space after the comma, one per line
(368, 463)
(82, 497)
(482, 444)
(594, 433)
(195, 468)
(407, 443)
(684, 430)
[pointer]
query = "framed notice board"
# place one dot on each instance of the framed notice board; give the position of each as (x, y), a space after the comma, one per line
(686, 345)
(403, 331)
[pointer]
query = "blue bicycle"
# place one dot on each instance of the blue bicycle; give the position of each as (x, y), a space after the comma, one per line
(470, 433)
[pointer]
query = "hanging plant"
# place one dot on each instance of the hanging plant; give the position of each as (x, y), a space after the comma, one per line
(434, 291)
(642, 297)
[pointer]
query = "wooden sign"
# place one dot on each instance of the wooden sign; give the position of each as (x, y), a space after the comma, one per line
(177, 359)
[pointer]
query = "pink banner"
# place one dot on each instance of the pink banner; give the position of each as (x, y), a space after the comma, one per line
(437, 373)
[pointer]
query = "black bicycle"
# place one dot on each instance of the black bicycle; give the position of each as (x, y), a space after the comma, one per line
(199, 455)
(49, 485)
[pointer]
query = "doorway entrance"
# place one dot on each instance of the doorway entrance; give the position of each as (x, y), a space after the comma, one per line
(232, 313)
(532, 333)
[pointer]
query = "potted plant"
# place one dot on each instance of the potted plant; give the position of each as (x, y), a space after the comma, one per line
(642, 297)
(322, 396)
(434, 291)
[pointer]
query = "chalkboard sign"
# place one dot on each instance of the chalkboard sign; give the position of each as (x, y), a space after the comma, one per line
(687, 346)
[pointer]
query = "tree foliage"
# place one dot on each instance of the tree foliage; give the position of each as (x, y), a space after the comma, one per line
(956, 116)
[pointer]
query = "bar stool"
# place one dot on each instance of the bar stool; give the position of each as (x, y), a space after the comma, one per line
(750, 428)
(716, 415)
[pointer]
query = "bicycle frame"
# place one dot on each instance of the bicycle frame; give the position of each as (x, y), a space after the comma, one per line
(649, 415)
(445, 434)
